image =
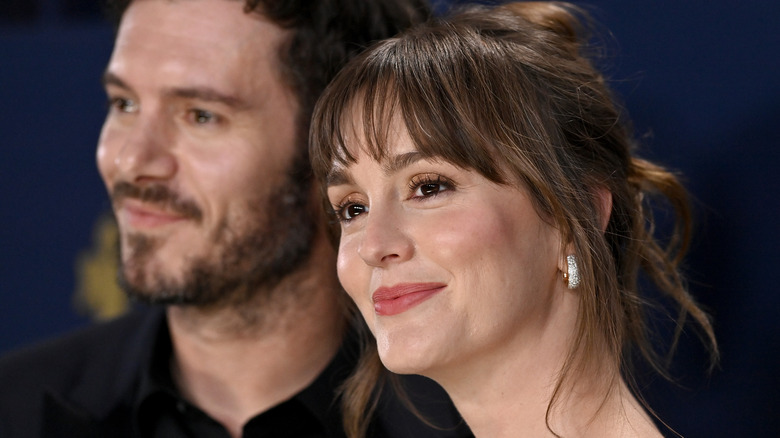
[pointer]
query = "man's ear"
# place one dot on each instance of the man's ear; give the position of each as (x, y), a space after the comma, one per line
(604, 200)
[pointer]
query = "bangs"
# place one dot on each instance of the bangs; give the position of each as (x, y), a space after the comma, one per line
(463, 97)
(408, 84)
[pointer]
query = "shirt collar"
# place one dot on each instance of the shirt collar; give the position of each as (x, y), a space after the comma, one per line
(319, 398)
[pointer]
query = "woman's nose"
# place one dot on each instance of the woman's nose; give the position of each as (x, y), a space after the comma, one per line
(384, 238)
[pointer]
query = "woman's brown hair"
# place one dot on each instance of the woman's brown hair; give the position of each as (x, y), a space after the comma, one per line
(512, 93)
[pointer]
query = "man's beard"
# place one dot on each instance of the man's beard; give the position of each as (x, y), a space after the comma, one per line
(245, 260)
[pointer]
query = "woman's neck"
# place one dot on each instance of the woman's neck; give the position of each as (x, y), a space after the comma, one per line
(512, 404)
(506, 391)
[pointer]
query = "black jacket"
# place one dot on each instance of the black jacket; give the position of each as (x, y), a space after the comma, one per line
(86, 383)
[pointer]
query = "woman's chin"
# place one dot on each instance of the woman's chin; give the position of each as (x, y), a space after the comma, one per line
(407, 361)
(399, 367)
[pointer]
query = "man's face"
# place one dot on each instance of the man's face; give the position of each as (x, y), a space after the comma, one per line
(198, 153)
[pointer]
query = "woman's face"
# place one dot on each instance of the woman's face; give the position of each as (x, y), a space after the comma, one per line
(444, 265)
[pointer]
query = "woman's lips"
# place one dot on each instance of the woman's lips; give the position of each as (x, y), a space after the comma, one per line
(397, 299)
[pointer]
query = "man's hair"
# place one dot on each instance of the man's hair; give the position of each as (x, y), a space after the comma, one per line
(325, 35)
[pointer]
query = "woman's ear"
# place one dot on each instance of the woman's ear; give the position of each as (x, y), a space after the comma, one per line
(566, 250)
(604, 200)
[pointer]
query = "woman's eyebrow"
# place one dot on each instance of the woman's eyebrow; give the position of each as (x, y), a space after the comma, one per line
(397, 162)
(340, 174)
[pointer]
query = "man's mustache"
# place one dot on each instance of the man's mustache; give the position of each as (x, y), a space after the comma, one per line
(156, 194)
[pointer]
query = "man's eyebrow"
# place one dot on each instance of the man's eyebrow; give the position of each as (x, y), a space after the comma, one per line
(340, 175)
(206, 94)
(109, 78)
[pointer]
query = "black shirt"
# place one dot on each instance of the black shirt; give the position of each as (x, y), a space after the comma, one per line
(113, 380)
(160, 411)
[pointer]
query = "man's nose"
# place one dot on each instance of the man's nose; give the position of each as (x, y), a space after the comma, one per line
(145, 153)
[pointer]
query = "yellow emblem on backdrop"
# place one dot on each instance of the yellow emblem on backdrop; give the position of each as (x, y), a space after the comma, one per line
(97, 291)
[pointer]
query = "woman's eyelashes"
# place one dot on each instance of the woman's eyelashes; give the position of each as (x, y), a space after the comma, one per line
(348, 209)
(429, 185)
(421, 188)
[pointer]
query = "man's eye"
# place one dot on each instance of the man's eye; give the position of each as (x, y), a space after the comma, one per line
(202, 117)
(123, 105)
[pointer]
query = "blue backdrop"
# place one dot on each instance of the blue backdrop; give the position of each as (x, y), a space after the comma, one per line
(699, 78)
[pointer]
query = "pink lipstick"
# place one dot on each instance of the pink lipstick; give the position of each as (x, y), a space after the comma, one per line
(397, 299)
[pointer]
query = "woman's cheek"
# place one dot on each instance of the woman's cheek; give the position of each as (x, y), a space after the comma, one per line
(351, 270)
(466, 233)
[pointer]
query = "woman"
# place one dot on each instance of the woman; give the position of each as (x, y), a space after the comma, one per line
(493, 223)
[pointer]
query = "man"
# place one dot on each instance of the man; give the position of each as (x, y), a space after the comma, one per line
(203, 153)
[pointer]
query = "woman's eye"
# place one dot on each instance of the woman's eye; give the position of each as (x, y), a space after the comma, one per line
(429, 189)
(429, 185)
(347, 212)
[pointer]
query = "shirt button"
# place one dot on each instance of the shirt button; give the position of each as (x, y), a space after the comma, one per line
(181, 406)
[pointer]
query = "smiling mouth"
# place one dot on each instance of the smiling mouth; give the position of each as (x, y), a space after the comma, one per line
(389, 301)
(151, 206)
(140, 217)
